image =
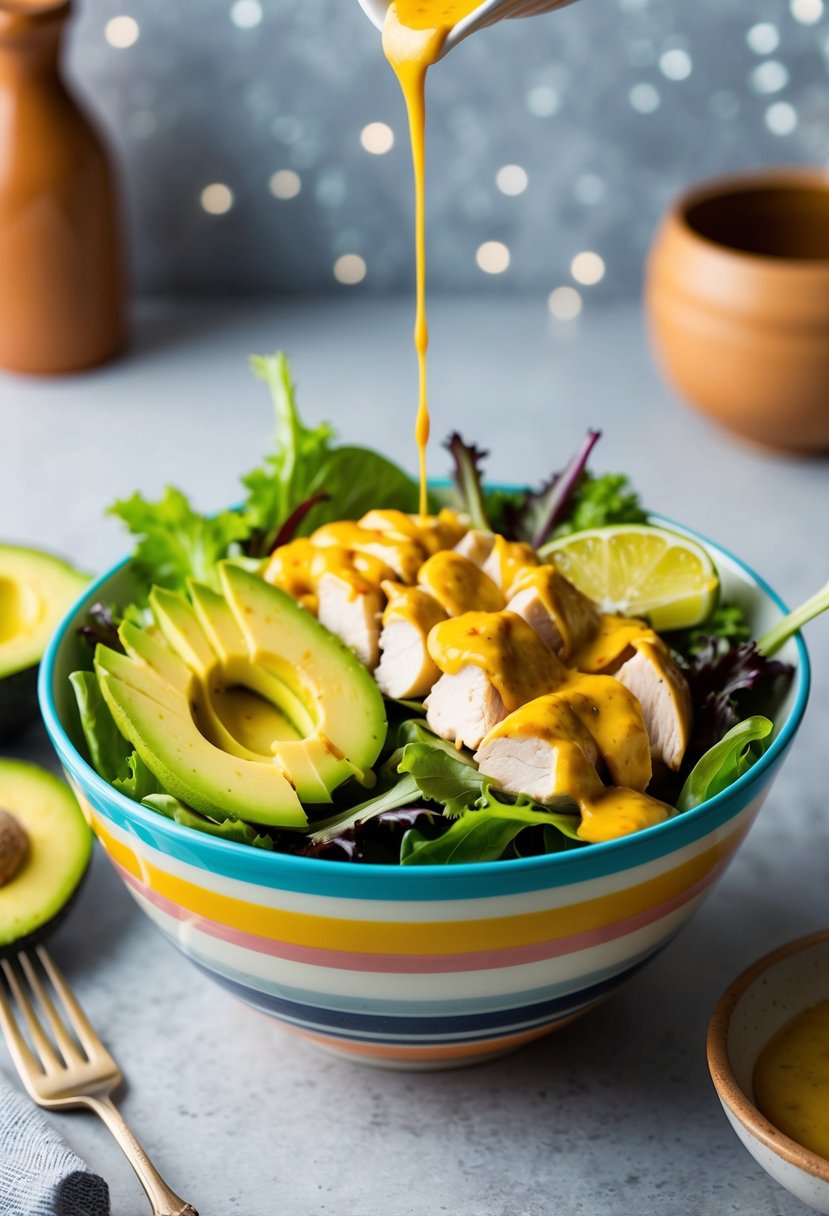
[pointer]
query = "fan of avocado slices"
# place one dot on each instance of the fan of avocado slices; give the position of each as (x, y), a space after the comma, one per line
(219, 701)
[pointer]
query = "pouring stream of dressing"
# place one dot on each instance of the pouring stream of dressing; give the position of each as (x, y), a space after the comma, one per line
(413, 36)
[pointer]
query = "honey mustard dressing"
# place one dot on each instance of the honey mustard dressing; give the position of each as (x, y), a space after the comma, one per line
(606, 648)
(614, 811)
(459, 585)
(433, 532)
(791, 1079)
(382, 547)
(613, 716)
(575, 616)
(507, 560)
(504, 646)
(412, 604)
(413, 36)
(402, 558)
(298, 567)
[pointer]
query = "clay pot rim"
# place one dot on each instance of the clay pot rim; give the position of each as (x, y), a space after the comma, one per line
(18, 16)
(778, 178)
(729, 1090)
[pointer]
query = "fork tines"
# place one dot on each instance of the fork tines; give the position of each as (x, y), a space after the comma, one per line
(45, 1038)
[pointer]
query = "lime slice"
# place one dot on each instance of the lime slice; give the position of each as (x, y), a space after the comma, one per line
(639, 570)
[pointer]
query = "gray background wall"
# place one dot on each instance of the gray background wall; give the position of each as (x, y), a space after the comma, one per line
(610, 106)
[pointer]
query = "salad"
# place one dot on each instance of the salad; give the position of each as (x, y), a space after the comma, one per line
(325, 672)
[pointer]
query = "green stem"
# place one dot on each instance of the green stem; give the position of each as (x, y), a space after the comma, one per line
(771, 642)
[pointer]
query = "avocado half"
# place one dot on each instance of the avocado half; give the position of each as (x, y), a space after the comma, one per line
(45, 846)
(36, 591)
(241, 704)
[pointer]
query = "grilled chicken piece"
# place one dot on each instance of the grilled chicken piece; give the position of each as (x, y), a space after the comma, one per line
(406, 668)
(611, 645)
(507, 560)
(401, 556)
(554, 745)
(476, 545)
(464, 707)
(433, 532)
(542, 755)
(459, 585)
(350, 607)
(560, 614)
(612, 715)
(662, 691)
(492, 664)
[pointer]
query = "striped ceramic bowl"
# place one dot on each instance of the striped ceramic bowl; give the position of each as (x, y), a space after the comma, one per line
(431, 966)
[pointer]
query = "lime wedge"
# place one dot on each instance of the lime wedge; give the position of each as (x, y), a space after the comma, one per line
(639, 570)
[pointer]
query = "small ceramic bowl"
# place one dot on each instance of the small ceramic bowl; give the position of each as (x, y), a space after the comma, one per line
(737, 300)
(757, 1004)
(421, 966)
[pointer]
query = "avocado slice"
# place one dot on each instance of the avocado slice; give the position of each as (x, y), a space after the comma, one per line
(241, 704)
(36, 591)
(340, 694)
(45, 846)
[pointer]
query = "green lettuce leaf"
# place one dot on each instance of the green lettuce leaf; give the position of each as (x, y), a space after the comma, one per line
(727, 623)
(736, 752)
(305, 463)
(443, 774)
(175, 543)
(228, 829)
(110, 754)
(138, 782)
(599, 501)
(483, 835)
(393, 794)
(485, 821)
(108, 750)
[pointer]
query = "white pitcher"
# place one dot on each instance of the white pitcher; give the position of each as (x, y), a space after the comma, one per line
(487, 13)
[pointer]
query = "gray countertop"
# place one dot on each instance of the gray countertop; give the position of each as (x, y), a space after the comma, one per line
(616, 1113)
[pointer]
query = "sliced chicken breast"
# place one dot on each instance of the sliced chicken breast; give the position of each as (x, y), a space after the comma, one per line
(503, 646)
(507, 560)
(406, 668)
(558, 758)
(464, 708)
(560, 614)
(476, 545)
(403, 557)
(611, 645)
(662, 691)
(351, 608)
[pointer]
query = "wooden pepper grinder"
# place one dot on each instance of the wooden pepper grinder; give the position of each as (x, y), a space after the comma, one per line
(62, 282)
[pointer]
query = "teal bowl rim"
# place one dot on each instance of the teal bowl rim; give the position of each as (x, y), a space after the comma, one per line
(557, 863)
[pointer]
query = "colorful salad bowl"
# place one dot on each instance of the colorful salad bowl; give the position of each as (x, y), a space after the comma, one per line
(427, 966)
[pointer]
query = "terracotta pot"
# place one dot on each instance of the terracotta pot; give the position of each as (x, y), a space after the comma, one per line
(62, 277)
(737, 298)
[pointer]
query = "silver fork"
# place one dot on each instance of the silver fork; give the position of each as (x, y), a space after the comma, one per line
(81, 1072)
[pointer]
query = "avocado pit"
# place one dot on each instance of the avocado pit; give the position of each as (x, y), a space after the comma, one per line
(14, 846)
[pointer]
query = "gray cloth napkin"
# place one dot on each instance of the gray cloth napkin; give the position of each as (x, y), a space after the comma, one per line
(39, 1173)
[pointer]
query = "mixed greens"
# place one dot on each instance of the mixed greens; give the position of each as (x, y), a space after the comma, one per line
(429, 803)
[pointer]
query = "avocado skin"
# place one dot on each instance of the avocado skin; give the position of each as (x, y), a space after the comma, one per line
(58, 855)
(55, 586)
(39, 935)
(18, 702)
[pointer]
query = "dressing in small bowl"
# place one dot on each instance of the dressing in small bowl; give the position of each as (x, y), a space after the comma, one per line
(762, 1002)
